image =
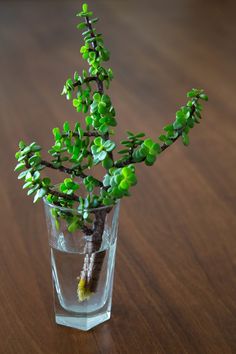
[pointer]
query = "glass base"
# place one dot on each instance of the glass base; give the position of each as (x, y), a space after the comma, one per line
(82, 266)
(82, 323)
(85, 320)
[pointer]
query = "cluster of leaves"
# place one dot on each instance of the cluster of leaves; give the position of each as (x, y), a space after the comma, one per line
(72, 146)
(186, 117)
(94, 51)
(69, 186)
(119, 180)
(29, 160)
(100, 53)
(76, 151)
(101, 150)
(102, 114)
(147, 152)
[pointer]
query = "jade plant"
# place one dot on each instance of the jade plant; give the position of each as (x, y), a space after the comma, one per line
(78, 150)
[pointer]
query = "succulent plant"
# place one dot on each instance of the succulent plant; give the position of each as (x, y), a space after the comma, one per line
(77, 150)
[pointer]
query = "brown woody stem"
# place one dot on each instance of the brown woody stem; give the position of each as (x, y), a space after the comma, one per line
(93, 259)
(90, 79)
(163, 147)
(69, 171)
(73, 197)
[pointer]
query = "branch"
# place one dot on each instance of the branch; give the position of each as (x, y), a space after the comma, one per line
(63, 195)
(96, 78)
(90, 134)
(75, 134)
(68, 170)
(90, 27)
(94, 45)
(131, 160)
(86, 80)
(64, 169)
(90, 79)
(163, 146)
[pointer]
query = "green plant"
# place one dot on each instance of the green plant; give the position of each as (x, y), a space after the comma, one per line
(78, 150)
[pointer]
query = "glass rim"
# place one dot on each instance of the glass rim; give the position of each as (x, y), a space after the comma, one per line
(73, 210)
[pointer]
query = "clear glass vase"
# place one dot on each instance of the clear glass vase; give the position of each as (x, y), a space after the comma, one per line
(77, 259)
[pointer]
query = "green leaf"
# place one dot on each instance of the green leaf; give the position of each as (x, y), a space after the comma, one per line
(177, 125)
(84, 7)
(79, 107)
(106, 99)
(81, 25)
(27, 185)
(103, 129)
(94, 149)
(155, 149)
(148, 143)
(66, 127)
(94, 20)
(102, 108)
(40, 194)
(72, 227)
(106, 180)
(124, 185)
(109, 145)
(169, 142)
(22, 174)
(56, 133)
(57, 224)
(28, 176)
(36, 175)
(124, 151)
(169, 128)
(36, 148)
(26, 150)
(89, 120)
(85, 214)
(150, 159)
(34, 160)
(192, 93)
(69, 83)
(185, 139)
(98, 141)
(107, 163)
(140, 135)
(75, 102)
(162, 137)
(69, 96)
(76, 76)
(180, 117)
(22, 144)
(102, 155)
(20, 166)
(126, 171)
(46, 182)
(33, 190)
(18, 155)
(204, 97)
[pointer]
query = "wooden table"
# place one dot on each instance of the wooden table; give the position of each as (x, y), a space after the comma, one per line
(175, 289)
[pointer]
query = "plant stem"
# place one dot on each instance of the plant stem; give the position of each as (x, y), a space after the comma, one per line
(87, 133)
(163, 147)
(68, 170)
(90, 79)
(93, 259)
(63, 195)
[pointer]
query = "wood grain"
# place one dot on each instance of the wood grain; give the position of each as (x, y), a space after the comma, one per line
(175, 289)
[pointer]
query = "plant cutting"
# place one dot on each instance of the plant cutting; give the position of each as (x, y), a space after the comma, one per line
(82, 211)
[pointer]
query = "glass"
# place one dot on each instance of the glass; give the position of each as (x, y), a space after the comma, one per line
(76, 256)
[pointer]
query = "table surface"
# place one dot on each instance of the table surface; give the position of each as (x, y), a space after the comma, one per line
(175, 289)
